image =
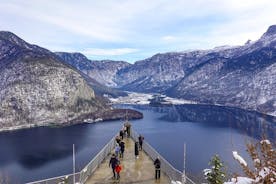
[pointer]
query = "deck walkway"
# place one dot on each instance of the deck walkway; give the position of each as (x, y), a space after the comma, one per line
(138, 171)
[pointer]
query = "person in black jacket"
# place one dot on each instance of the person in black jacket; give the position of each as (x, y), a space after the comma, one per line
(141, 139)
(113, 163)
(136, 149)
(122, 134)
(122, 150)
(157, 165)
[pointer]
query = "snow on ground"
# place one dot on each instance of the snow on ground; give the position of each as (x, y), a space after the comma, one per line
(144, 98)
(177, 101)
(240, 180)
(132, 98)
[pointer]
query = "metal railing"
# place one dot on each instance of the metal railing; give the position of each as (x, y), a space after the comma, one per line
(65, 179)
(84, 174)
(97, 160)
(91, 167)
(166, 167)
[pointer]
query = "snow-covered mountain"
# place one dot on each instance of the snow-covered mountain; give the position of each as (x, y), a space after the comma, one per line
(240, 76)
(38, 89)
(104, 71)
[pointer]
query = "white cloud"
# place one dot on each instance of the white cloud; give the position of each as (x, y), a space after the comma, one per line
(157, 25)
(108, 52)
(168, 38)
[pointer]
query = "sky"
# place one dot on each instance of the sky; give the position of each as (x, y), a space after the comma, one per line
(133, 30)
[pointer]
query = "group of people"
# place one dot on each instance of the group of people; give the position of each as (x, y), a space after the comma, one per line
(120, 148)
(119, 151)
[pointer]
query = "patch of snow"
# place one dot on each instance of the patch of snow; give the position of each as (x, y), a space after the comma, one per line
(133, 98)
(176, 101)
(144, 98)
(262, 99)
(240, 180)
(265, 141)
(239, 158)
(207, 171)
(257, 161)
(263, 173)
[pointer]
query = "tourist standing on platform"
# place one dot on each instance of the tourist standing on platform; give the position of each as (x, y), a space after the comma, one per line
(136, 149)
(125, 129)
(117, 150)
(141, 139)
(128, 126)
(113, 163)
(122, 134)
(157, 165)
(118, 139)
(122, 146)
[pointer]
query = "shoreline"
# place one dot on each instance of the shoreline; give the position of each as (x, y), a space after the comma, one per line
(109, 115)
(163, 100)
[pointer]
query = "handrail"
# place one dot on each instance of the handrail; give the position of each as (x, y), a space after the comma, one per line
(166, 167)
(64, 179)
(97, 160)
(83, 175)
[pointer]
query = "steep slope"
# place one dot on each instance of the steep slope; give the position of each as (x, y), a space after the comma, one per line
(246, 78)
(37, 89)
(103, 71)
(160, 72)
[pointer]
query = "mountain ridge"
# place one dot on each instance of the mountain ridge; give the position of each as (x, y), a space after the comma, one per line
(240, 76)
(243, 74)
(39, 89)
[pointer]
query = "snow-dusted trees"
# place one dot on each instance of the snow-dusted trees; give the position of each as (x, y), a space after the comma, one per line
(264, 158)
(264, 161)
(215, 175)
(263, 155)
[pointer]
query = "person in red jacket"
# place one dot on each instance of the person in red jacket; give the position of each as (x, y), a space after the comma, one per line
(118, 169)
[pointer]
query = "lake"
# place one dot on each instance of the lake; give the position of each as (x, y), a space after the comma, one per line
(38, 153)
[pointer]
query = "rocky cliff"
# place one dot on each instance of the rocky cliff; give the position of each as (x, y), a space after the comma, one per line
(37, 89)
(104, 71)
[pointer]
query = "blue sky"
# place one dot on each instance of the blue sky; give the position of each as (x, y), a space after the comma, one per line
(132, 30)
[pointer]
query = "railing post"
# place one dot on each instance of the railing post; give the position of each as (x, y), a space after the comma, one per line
(74, 163)
(184, 166)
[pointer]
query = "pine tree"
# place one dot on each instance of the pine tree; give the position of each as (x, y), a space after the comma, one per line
(215, 175)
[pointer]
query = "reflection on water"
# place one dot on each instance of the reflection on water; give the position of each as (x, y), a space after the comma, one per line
(39, 153)
(35, 147)
(206, 130)
(252, 123)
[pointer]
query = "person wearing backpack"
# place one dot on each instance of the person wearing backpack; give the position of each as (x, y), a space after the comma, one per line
(157, 165)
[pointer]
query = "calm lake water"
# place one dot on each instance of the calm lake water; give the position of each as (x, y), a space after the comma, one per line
(38, 153)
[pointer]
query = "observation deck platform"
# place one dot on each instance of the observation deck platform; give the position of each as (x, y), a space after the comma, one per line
(134, 170)
(138, 171)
